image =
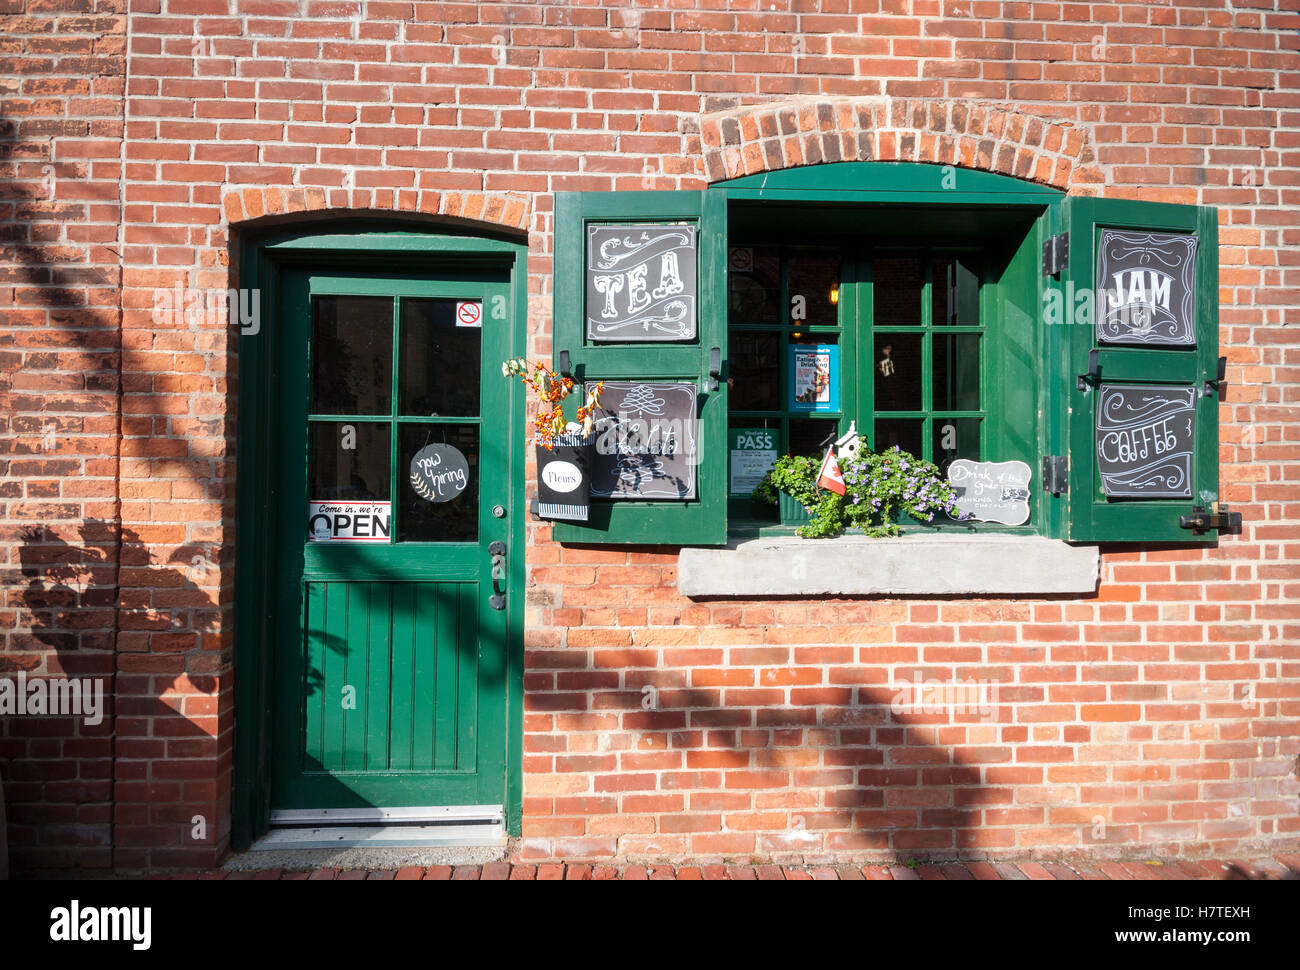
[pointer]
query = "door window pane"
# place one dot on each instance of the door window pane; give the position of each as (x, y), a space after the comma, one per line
(906, 433)
(897, 368)
(439, 360)
(348, 461)
(352, 355)
(755, 378)
(430, 514)
(956, 292)
(896, 289)
(956, 371)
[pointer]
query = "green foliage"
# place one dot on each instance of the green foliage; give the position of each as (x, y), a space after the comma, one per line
(881, 487)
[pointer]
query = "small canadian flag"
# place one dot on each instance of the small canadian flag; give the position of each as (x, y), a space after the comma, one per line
(830, 478)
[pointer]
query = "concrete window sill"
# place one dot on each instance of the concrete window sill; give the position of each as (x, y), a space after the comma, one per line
(913, 565)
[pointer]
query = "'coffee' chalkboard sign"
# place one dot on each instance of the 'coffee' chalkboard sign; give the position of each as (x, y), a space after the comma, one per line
(641, 283)
(1145, 440)
(992, 491)
(1145, 288)
(646, 441)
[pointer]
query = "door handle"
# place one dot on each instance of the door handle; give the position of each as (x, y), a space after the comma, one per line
(497, 551)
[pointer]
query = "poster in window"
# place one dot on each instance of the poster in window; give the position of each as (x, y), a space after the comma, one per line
(1146, 288)
(814, 377)
(1145, 440)
(646, 441)
(753, 455)
(640, 283)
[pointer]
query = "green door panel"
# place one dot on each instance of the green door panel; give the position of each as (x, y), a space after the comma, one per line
(391, 667)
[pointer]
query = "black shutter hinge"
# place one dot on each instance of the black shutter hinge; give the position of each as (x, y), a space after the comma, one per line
(1056, 251)
(1218, 517)
(1093, 377)
(1216, 386)
(1056, 474)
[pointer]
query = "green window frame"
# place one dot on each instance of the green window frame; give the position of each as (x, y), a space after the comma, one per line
(1029, 408)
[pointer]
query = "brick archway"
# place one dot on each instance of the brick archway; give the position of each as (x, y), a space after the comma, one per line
(507, 210)
(992, 138)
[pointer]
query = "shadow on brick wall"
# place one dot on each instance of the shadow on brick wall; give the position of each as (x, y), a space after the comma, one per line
(77, 790)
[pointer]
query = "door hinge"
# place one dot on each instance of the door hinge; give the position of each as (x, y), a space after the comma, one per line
(1218, 517)
(1056, 251)
(1056, 474)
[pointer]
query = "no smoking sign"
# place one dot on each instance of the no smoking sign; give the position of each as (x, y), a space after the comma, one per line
(469, 314)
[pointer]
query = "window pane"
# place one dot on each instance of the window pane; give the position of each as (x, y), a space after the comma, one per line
(956, 292)
(439, 360)
(904, 432)
(897, 367)
(348, 461)
(897, 291)
(955, 438)
(754, 369)
(431, 519)
(352, 355)
(808, 435)
(956, 372)
(753, 284)
(814, 273)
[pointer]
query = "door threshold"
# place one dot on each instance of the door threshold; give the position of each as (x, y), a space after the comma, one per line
(382, 828)
(380, 837)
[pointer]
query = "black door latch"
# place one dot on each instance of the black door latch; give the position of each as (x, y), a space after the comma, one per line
(497, 551)
(1218, 517)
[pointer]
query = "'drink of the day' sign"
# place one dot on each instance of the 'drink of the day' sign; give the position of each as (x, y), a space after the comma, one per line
(991, 491)
(641, 283)
(347, 521)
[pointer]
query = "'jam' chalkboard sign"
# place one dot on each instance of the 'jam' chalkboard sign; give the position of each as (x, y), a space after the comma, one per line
(646, 441)
(1145, 288)
(1145, 439)
(991, 491)
(641, 283)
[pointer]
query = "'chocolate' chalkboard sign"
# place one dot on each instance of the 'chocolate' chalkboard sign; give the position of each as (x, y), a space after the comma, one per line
(1145, 288)
(991, 491)
(1145, 440)
(646, 441)
(641, 283)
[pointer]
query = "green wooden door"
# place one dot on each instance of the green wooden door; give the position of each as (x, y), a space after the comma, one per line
(391, 496)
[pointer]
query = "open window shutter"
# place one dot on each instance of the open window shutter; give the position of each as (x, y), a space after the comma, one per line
(1143, 423)
(599, 238)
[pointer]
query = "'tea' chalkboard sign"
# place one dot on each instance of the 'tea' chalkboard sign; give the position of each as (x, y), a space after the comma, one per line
(1146, 288)
(641, 283)
(1145, 440)
(646, 441)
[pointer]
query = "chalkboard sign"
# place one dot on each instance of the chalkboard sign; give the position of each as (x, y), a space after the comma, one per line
(992, 491)
(1145, 288)
(439, 473)
(646, 441)
(641, 283)
(1145, 440)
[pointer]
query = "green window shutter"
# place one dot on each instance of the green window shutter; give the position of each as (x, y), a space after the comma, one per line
(698, 521)
(1136, 464)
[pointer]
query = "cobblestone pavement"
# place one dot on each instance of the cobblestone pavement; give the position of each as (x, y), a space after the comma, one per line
(1278, 867)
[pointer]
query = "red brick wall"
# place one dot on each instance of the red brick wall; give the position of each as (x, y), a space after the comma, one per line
(772, 732)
